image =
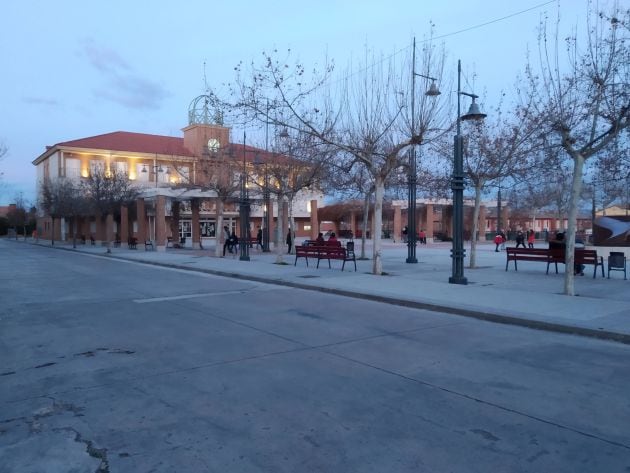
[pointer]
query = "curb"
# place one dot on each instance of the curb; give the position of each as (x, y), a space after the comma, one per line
(487, 316)
(475, 314)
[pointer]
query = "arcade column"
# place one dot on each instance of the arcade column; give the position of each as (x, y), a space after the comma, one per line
(397, 223)
(482, 223)
(160, 223)
(196, 235)
(124, 225)
(141, 211)
(314, 220)
(428, 224)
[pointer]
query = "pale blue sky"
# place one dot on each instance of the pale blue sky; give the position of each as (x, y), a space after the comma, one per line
(73, 68)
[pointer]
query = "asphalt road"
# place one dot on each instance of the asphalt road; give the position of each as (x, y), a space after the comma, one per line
(110, 366)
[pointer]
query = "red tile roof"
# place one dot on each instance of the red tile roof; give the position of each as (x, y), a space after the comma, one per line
(126, 141)
(132, 142)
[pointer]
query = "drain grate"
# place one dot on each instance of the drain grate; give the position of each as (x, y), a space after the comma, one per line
(308, 276)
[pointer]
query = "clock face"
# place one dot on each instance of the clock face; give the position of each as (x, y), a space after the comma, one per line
(213, 144)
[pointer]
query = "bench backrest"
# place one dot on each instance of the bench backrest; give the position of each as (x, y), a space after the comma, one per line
(323, 250)
(585, 256)
(527, 251)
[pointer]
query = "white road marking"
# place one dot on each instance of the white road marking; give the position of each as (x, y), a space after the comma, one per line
(186, 296)
(262, 287)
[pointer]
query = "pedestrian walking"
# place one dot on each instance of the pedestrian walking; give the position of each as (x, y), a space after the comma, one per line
(498, 241)
(531, 236)
(289, 241)
(520, 239)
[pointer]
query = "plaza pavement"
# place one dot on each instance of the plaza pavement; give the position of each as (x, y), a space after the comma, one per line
(528, 297)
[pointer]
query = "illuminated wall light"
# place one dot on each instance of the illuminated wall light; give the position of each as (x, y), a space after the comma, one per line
(132, 171)
(85, 169)
(308, 206)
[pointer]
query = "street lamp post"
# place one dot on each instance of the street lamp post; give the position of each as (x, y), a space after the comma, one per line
(458, 252)
(244, 210)
(266, 203)
(268, 211)
(412, 175)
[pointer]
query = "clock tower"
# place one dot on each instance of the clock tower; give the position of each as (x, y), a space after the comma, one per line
(205, 133)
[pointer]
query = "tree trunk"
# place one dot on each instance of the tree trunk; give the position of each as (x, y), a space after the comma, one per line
(576, 188)
(291, 225)
(366, 212)
(279, 233)
(377, 262)
(475, 229)
(52, 230)
(108, 231)
(74, 232)
(218, 232)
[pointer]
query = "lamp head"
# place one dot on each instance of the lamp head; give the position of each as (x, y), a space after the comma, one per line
(474, 112)
(433, 90)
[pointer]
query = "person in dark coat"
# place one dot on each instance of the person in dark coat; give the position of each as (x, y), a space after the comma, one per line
(289, 240)
(520, 239)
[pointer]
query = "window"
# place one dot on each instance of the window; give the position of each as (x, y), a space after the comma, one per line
(96, 166)
(185, 229)
(73, 168)
(207, 228)
(120, 167)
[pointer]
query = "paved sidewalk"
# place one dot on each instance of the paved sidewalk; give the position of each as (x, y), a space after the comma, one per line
(528, 297)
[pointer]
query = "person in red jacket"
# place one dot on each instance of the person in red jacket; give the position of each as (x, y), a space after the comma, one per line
(498, 240)
(530, 239)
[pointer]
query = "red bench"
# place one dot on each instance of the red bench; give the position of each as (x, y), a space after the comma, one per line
(554, 256)
(527, 254)
(327, 251)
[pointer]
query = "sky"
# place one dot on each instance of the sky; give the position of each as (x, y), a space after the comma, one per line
(75, 68)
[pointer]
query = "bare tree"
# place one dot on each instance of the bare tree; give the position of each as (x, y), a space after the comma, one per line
(366, 117)
(106, 191)
(300, 166)
(497, 149)
(586, 105)
(58, 198)
(18, 215)
(220, 172)
(356, 183)
(3, 152)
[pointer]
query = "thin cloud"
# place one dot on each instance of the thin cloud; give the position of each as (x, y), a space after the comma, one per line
(122, 85)
(104, 59)
(40, 101)
(133, 92)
